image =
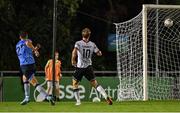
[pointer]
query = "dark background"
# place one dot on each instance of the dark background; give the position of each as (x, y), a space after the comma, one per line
(36, 17)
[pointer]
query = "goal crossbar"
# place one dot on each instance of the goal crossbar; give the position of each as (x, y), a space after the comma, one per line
(161, 6)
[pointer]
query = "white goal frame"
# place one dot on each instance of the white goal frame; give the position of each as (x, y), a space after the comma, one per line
(144, 42)
(144, 35)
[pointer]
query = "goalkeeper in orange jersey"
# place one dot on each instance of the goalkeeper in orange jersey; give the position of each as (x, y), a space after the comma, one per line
(49, 75)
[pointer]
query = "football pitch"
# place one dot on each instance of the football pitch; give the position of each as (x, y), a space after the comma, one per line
(125, 106)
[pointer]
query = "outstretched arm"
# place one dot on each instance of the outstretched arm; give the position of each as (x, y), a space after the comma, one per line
(97, 51)
(73, 58)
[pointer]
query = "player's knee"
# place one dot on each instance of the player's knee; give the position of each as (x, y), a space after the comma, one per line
(94, 83)
(75, 83)
(24, 79)
(75, 86)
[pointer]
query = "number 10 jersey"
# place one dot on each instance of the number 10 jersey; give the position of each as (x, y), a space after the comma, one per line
(84, 53)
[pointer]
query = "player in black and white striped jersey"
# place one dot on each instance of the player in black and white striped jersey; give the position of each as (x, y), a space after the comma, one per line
(83, 51)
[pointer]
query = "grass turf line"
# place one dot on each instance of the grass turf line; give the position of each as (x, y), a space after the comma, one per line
(128, 106)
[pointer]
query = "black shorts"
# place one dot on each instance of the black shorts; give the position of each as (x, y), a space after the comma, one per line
(28, 70)
(87, 72)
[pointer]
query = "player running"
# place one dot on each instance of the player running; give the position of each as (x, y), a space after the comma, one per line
(83, 51)
(25, 50)
(49, 75)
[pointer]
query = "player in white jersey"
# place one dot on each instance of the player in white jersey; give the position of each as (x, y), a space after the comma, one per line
(83, 51)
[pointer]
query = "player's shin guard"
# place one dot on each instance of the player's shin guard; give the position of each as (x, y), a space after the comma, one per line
(41, 90)
(26, 93)
(101, 91)
(27, 90)
(76, 94)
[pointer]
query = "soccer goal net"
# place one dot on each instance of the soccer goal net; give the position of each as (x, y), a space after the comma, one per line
(148, 54)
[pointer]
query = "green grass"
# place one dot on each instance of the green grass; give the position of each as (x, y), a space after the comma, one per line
(131, 106)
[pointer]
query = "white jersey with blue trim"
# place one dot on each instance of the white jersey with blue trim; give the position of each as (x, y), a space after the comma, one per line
(84, 53)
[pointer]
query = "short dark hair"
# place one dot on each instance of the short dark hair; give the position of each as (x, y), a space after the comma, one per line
(23, 34)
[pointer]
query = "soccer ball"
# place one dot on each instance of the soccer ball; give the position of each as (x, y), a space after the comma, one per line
(96, 99)
(168, 22)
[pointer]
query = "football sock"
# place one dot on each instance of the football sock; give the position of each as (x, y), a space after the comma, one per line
(76, 94)
(26, 90)
(101, 91)
(41, 90)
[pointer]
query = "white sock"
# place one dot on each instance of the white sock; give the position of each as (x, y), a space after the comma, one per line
(76, 94)
(41, 90)
(27, 90)
(101, 91)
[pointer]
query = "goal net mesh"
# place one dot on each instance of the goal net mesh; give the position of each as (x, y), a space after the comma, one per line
(163, 56)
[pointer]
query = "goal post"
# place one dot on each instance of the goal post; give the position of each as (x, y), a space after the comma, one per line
(144, 38)
(148, 54)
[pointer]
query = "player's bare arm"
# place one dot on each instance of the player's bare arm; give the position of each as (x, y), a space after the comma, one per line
(30, 45)
(46, 68)
(73, 58)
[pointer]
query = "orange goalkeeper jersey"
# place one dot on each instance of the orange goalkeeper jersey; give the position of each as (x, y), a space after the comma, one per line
(49, 72)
